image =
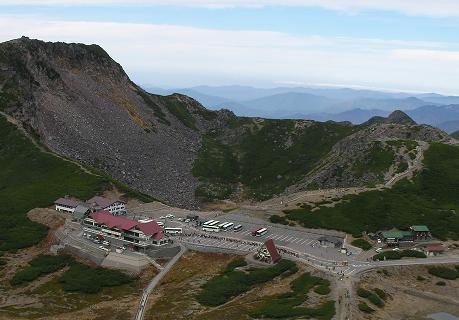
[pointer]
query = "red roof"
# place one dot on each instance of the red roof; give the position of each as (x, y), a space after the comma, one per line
(271, 247)
(105, 217)
(150, 228)
(435, 248)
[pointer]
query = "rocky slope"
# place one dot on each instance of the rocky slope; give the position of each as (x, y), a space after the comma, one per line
(81, 104)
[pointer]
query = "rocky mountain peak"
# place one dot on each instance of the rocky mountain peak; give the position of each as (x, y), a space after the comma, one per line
(396, 117)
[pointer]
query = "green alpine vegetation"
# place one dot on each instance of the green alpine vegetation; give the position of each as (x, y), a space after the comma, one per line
(361, 243)
(430, 199)
(265, 158)
(290, 305)
(445, 272)
(377, 161)
(31, 178)
(397, 255)
(231, 283)
(39, 266)
(455, 134)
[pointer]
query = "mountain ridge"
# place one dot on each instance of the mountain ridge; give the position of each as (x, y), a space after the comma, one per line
(82, 105)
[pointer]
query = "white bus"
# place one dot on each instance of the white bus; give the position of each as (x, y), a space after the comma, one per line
(160, 223)
(222, 224)
(215, 223)
(260, 232)
(227, 226)
(210, 228)
(173, 230)
(208, 222)
(237, 228)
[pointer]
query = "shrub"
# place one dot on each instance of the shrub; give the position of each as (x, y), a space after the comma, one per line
(363, 306)
(278, 219)
(322, 290)
(362, 243)
(373, 298)
(396, 255)
(86, 279)
(381, 293)
(238, 262)
(444, 272)
(361, 292)
(230, 283)
(441, 283)
(420, 278)
(41, 265)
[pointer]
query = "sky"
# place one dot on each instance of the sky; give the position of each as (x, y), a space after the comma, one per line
(397, 45)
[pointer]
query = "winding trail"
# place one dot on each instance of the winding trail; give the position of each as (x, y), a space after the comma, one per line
(154, 282)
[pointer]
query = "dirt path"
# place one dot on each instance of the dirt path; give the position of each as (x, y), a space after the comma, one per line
(17, 123)
(289, 201)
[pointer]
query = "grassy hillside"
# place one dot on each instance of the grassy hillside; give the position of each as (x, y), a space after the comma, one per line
(265, 158)
(431, 199)
(30, 178)
(455, 134)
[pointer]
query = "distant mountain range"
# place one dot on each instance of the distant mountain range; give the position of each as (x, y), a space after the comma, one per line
(323, 104)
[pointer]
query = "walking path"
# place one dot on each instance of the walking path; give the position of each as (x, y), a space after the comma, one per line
(154, 282)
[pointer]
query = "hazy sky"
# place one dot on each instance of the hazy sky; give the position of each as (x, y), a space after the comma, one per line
(410, 45)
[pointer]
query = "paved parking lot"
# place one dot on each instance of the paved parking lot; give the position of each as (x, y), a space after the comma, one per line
(297, 239)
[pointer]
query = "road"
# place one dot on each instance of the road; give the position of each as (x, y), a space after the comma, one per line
(154, 282)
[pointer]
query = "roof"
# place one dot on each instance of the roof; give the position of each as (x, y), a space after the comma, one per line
(105, 217)
(80, 211)
(150, 228)
(102, 202)
(420, 228)
(435, 248)
(271, 247)
(396, 234)
(68, 201)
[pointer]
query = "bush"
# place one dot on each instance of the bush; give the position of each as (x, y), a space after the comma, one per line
(238, 262)
(322, 290)
(363, 306)
(362, 243)
(396, 255)
(41, 265)
(278, 219)
(230, 283)
(444, 272)
(373, 298)
(361, 292)
(441, 283)
(420, 278)
(381, 293)
(289, 304)
(85, 279)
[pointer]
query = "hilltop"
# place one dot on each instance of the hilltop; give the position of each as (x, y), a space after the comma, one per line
(78, 102)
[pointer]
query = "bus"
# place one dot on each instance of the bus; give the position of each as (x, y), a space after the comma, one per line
(215, 223)
(173, 230)
(160, 223)
(208, 222)
(259, 232)
(221, 225)
(210, 228)
(227, 226)
(237, 228)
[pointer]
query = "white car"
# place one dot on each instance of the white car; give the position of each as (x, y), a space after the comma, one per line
(103, 248)
(106, 243)
(162, 217)
(396, 249)
(170, 216)
(187, 220)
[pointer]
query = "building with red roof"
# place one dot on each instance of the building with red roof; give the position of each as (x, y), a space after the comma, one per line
(434, 249)
(268, 252)
(139, 235)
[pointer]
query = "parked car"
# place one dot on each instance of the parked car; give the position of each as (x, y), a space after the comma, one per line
(396, 249)
(187, 220)
(180, 219)
(106, 243)
(104, 248)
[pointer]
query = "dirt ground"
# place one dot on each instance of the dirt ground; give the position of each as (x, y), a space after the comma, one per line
(175, 298)
(414, 293)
